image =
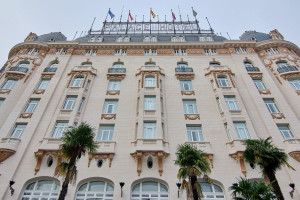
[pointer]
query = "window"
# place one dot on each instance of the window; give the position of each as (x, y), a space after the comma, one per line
(149, 81)
(259, 84)
(43, 84)
(18, 130)
(94, 53)
(149, 130)
(53, 65)
(117, 52)
(1, 101)
(35, 52)
(183, 52)
(32, 105)
(245, 51)
(86, 64)
(149, 190)
(272, 107)
(283, 66)
(118, 65)
(87, 52)
(146, 39)
(126, 39)
(153, 39)
(211, 191)
(119, 39)
(92, 39)
(231, 103)
(57, 51)
(285, 131)
(81, 104)
(295, 83)
(78, 81)
(206, 52)
(194, 133)
(214, 63)
(213, 52)
(124, 52)
(69, 103)
(248, 65)
(189, 107)
(241, 130)
(99, 39)
(182, 65)
(28, 51)
(59, 128)
(42, 189)
(147, 52)
(64, 52)
(154, 52)
(269, 52)
(219, 104)
(237, 51)
(228, 132)
(9, 84)
(114, 85)
(149, 103)
(94, 190)
(23, 64)
(105, 133)
(176, 52)
(186, 85)
(110, 106)
(276, 50)
(223, 81)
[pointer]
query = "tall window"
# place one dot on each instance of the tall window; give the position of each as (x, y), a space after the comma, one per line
(259, 84)
(231, 103)
(78, 81)
(9, 84)
(59, 128)
(114, 85)
(149, 130)
(43, 84)
(295, 83)
(228, 132)
(194, 133)
(189, 107)
(18, 130)
(69, 103)
(32, 105)
(105, 133)
(110, 106)
(241, 130)
(186, 85)
(42, 189)
(81, 104)
(149, 103)
(285, 131)
(211, 191)
(149, 190)
(150, 81)
(272, 107)
(223, 81)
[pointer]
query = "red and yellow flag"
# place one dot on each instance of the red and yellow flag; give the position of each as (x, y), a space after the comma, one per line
(153, 15)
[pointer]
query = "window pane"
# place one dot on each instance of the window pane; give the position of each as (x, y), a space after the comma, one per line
(149, 130)
(186, 85)
(259, 84)
(150, 187)
(194, 133)
(114, 85)
(43, 84)
(105, 133)
(31, 106)
(69, 103)
(59, 128)
(110, 106)
(149, 103)
(9, 84)
(241, 130)
(190, 107)
(18, 130)
(295, 83)
(96, 186)
(206, 187)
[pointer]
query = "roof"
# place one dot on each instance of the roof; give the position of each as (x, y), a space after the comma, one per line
(253, 35)
(51, 37)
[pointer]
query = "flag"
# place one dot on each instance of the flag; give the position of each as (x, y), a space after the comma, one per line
(194, 13)
(173, 15)
(111, 14)
(131, 18)
(153, 15)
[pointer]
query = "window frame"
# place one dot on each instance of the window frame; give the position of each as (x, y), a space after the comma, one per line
(194, 133)
(18, 130)
(110, 104)
(58, 129)
(9, 84)
(184, 83)
(231, 103)
(149, 126)
(271, 105)
(149, 103)
(77, 81)
(223, 79)
(105, 132)
(258, 83)
(31, 106)
(187, 104)
(241, 125)
(283, 132)
(150, 81)
(114, 85)
(69, 103)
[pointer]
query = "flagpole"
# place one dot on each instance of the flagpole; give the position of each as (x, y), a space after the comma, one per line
(209, 24)
(180, 19)
(143, 26)
(158, 24)
(196, 21)
(120, 20)
(173, 21)
(134, 25)
(189, 23)
(127, 23)
(102, 31)
(89, 32)
(150, 20)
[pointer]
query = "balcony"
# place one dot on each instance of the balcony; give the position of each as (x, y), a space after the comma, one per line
(252, 69)
(286, 69)
(116, 73)
(8, 147)
(292, 146)
(184, 73)
(50, 70)
(19, 69)
(18, 72)
(105, 150)
(205, 147)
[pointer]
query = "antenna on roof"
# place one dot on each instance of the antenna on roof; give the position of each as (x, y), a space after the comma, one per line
(228, 35)
(179, 13)
(92, 25)
(121, 13)
(75, 35)
(209, 24)
(81, 34)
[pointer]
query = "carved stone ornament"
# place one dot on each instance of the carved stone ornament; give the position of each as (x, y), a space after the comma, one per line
(264, 91)
(103, 156)
(238, 156)
(41, 153)
(185, 76)
(5, 153)
(165, 52)
(135, 52)
(25, 115)
(223, 51)
(295, 155)
(108, 116)
(38, 91)
(256, 75)
(278, 116)
(30, 37)
(192, 116)
(188, 92)
(4, 91)
(14, 74)
(113, 92)
(195, 52)
(107, 52)
(115, 76)
(139, 154)
(210, 158)
(290, 75)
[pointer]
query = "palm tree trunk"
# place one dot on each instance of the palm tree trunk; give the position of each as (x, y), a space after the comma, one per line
(65, 185)
(194, 188)
(274, 183)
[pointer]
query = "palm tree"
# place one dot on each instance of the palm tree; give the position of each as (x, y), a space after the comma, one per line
(193, 163)
(251, 190)
(75, 142)
(269, 158)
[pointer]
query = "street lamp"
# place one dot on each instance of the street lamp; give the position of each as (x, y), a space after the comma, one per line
(178, 185)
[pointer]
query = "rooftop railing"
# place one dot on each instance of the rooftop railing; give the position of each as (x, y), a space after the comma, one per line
(186, 69)
(252, 69)
(117, 70)
(289, 68)
(19, 69)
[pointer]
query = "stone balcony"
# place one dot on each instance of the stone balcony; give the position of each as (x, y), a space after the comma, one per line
(8, 147)
(105, 150)
(18, 72)
(116, 73)
(288, 72)
(206, 148)
(184, 73)
(292, 146)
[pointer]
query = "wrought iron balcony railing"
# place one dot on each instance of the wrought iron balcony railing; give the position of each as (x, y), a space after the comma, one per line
(289, 68)
(252, 69)
(19, 69)
(187, 69)
(117, 70)
(48, 69)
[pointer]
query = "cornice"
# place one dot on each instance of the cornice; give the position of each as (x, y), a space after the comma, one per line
(277, 43)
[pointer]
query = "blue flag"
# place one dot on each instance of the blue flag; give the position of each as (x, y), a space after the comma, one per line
(111, 14)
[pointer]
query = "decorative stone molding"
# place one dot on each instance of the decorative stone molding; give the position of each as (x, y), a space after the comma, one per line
(160, 156)
(15, 74)
(115, 76)
(290, 75)
(4, 91)
(103, 156)
(38, 91)
(84, 71)
(295, 155)
(78, 52)
(153, 70)
(187, 92)
(41, 153)
(107, 52)
(113, 92)
(192, 116)
(135, 52)
(185, 76)
(223, 51)
(25, 115)
(5, 154)
(108, 116)
(278, 116)
(30, 37)
(195, 52)
(264, 91)
(220, 70)
(165, 52)
(238, 156)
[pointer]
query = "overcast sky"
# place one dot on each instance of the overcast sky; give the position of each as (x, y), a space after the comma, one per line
(20, 17)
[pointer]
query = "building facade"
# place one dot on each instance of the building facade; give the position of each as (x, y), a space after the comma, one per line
(146, 88)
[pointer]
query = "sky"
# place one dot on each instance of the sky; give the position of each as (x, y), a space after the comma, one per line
(18, 17)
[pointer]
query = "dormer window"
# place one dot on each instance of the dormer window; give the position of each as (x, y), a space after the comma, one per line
(153, 39)
(126, 39)
(146, 39)
(205, 39)
(119, 39)
(92, 39)
(52, 40)
(214, 63)
(99, 39)
(28, 51)
(178, 39)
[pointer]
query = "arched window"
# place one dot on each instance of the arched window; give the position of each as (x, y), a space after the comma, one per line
(149, 190)
(119, 39)
(212, 191)
(86, 64)
(153, 39)
(147, 39)
(283, 66)
(174, 39)
(99, 39)
(92, 39)
(23, 64)
(223, 81)
(42, 189)
(214, 63)
(118, 65)
(53, 65)
(150, 81)
(95, 190)
(126, 39)
(181, 39)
